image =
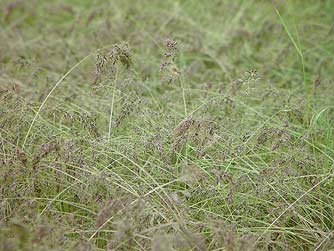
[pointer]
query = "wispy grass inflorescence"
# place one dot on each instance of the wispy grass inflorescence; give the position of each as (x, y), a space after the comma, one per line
(108, 59)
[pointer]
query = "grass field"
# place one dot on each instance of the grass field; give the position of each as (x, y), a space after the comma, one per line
(166, 125)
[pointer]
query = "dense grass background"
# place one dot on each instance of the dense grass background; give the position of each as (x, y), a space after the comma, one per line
(166, 125)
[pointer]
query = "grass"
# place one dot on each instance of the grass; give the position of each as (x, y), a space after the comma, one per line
(166, 125)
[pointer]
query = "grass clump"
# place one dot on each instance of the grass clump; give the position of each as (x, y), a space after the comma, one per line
(175, 125)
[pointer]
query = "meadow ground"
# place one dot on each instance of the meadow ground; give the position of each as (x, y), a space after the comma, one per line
(166, 125)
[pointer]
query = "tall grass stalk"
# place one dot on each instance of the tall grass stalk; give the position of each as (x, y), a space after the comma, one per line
(299, 50)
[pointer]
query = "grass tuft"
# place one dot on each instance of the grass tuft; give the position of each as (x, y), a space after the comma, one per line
(166, 125)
